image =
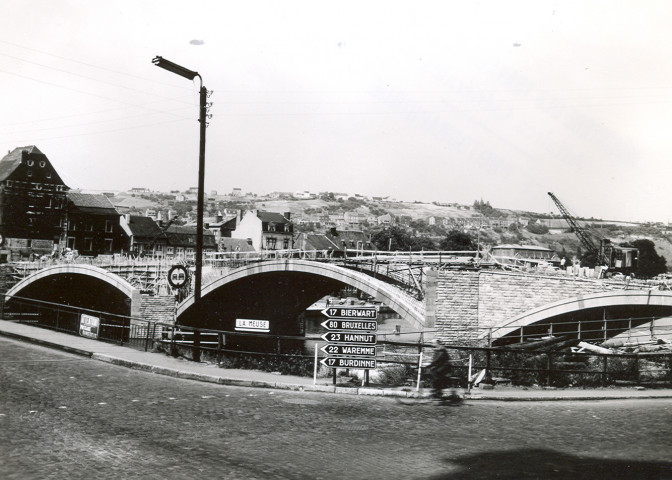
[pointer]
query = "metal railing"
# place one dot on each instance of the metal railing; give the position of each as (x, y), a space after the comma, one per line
(293, 354)
(110, 327)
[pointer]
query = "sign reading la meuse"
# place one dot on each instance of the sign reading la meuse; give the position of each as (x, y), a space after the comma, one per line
(251, 325)
(344, 362)
(352, 338)
(356, 313)
(358, 325)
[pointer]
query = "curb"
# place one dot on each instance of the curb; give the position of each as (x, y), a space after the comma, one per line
(45, 343)
(364, 391)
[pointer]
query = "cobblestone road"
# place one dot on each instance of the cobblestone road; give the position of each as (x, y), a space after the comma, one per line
(68, 417)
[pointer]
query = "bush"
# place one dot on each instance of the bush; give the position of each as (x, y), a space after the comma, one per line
(293, 363)
(537, 228)
(394, 375)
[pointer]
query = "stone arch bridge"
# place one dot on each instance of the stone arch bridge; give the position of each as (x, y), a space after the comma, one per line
(460, 305)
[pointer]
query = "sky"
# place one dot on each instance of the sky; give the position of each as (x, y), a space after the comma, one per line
(441, 101)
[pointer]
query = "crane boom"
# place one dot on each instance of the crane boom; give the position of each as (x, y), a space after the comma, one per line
(614, 257)
(585, 239)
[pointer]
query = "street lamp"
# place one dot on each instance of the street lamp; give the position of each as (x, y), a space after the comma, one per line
(203, 107)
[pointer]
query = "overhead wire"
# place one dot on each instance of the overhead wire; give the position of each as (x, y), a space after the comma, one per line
(93, 66)
(32, 139)
(85, 92)
(81, 114)
(84, 124)
(144, 92)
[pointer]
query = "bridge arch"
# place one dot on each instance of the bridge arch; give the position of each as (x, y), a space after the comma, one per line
(304, 282)
(79, 285)
(621, 309)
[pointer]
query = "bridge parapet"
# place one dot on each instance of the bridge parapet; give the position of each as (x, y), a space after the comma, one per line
(470, 302)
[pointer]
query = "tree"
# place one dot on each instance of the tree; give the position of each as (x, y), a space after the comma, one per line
(398, 239)
(393, 238)
(649, 263)
(457, 240)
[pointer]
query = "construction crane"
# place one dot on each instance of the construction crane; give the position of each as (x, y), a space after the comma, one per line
(617, 258)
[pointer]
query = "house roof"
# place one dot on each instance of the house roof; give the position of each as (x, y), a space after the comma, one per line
(349, 238)
(522, 247)
(235, 245)
(92, 203)
(271, 217)
(184, 236)
(144, 227)
(12, 161)
(319, 242)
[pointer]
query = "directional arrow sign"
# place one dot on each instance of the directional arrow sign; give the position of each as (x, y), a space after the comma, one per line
(353, 313)
(355, 325)
(349, 350)
(343, 362)
(347, 337)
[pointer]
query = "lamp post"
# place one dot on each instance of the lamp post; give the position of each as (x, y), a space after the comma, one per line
(203, 106)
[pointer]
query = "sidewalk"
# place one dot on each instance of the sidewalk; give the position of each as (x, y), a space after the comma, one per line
(162, 364)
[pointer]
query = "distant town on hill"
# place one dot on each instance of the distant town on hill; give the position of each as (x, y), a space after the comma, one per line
(427, 223)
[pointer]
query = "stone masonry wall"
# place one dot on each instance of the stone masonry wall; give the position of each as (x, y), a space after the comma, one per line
(505, 295)
(468, 302)
(158, 308)
(457, 306)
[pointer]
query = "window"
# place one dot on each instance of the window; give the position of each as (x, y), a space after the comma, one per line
(108, 244)
(271, 242)
(29, 173)
(180, 250)
(158, 248)
(71, 243)
(30, 163)
(285, 243)
(89, 227)
(88, 244)
(42, 163)
(271, 227)
(170, 250)
(108, 226)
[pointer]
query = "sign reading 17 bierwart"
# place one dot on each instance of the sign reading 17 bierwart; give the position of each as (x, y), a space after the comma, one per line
(349, 328)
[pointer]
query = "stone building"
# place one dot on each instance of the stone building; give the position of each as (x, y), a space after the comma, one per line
(32, 205)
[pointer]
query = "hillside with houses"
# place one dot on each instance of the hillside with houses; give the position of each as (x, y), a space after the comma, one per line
(325, 211)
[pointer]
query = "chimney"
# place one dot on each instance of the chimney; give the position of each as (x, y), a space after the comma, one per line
(249, 241)
(287, 215)
(220, 217)
(128, 218)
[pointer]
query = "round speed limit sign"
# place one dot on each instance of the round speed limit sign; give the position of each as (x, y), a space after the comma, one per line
(178, 276)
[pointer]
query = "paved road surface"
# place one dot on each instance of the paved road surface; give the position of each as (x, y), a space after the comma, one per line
(68, 417)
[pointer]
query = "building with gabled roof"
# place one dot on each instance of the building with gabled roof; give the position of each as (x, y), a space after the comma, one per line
(32, 204)
(181, 241)
(266, 230)
(145, 236)
(350, 239)
(93, 225)
(317, 242)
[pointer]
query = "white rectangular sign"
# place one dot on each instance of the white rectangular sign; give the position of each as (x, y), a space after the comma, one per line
(249, 325)
(88, 326)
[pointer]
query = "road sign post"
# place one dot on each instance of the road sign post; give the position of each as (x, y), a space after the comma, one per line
(351, 343)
